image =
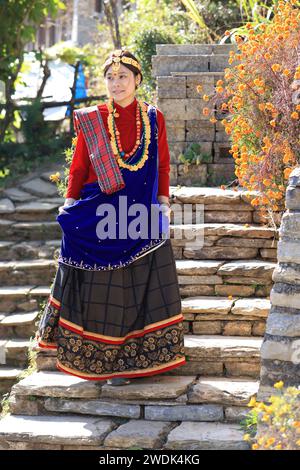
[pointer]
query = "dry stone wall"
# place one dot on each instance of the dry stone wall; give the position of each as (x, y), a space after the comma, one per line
(281, 347)
(178, 70)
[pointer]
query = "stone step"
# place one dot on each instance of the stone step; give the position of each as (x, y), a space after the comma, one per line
(211, 355)
(188, 232)
(14, 352)
(194, 49)
(27, 272)
(223, 241)
(29, 249)
(18, 324)
(15, 298)
(225, 316)
(8, 377)
(242, 278)
(178, 398)
(168, 63)
(94, 433)
(41, 209)
(21, 231)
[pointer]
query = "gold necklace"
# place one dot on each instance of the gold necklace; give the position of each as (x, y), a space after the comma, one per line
(115, 136)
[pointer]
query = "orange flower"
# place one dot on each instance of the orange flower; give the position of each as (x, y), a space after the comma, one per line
(295, 115)
(287, 172)
(276, 67)
(205, 111)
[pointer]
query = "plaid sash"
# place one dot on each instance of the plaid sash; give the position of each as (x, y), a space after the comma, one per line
(104, 162)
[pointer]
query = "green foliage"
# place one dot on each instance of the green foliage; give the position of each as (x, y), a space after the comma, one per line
(249, 424)
(42, 143)
(253, 12)
(145, 47)
(4, 405)
(62, 182)
(193, 155)
(18, 21)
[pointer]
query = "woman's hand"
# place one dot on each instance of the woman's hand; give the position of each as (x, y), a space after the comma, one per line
(165, 205)
(68, 202)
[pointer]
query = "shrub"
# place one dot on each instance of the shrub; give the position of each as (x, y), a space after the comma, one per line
(259, 95)
(278, 422)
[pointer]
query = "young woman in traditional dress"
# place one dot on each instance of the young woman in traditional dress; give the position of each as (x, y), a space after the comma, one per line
(114, 311)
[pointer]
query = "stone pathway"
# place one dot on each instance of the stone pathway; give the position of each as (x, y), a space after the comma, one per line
(225, 287)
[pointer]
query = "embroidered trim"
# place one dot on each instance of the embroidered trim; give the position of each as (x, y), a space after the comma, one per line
(81, 265)
(180, 361)
(121, 339)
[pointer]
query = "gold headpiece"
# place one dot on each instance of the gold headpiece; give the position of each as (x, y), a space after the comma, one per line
(117, 58)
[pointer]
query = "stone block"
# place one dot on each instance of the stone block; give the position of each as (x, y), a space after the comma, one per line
(289, 251)
(192, 174)
(185, 49)
(283, 324)
(290, 225)
(218, 173)
(206, 81)
(165, 64)
(173, 109)
(171, 87)
(285, 295)
(207, 328)
(221, 153)
(292, 200)
(200, 131)
(237, 328)
(139, 433)
(217, 63)
(175, 130)
(212, 436)
(238, 217)
(185, 413)
(289, 274)
(258, 328)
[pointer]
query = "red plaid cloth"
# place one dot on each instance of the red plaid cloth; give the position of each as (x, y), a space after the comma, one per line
(104, 162)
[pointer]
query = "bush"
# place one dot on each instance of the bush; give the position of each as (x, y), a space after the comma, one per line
(260, 94)
(278, 423)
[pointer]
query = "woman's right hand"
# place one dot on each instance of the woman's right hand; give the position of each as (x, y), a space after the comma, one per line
(68, 202)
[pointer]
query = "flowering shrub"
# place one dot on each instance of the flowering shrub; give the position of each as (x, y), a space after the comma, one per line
(260, 95)
(62, 183)
(279, 421)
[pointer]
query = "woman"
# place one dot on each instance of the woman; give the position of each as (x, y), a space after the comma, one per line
(115, 310)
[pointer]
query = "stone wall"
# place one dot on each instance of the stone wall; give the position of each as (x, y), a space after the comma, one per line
(178, 70)
(281, 347)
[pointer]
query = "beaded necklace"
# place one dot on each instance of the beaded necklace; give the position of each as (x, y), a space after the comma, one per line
(141, 115)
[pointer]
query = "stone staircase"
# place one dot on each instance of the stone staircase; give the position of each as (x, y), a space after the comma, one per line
(225, 288)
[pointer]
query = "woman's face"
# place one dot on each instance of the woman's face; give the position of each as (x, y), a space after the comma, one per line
(120, 85)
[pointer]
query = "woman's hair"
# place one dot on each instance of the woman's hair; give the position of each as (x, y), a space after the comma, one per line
(131, 67)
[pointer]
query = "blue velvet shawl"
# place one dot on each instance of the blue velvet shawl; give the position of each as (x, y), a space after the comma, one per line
(91, 237)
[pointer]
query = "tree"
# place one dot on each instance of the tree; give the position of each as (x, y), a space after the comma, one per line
(19, 20)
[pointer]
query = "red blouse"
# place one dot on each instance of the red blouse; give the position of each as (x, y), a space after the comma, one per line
(81, 169)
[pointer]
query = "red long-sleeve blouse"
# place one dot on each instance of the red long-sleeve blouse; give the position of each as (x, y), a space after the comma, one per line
(81, 169)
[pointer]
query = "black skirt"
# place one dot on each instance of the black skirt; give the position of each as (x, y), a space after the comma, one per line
(124, 322)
